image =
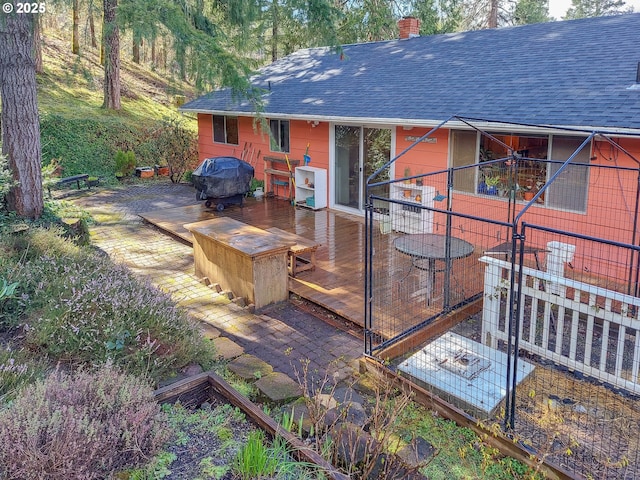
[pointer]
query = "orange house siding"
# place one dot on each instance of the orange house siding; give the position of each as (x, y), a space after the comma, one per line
(609, 190)
(301, 133)
(252, 140)
(425, 157)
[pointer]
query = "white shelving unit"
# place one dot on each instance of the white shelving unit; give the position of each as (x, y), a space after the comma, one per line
(407, 218)
(311, 183)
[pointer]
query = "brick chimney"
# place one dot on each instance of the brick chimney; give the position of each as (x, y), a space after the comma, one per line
(409, 27)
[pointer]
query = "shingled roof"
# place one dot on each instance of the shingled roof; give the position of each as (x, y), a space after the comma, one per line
(580, 73)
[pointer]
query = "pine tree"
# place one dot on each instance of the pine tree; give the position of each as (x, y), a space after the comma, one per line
(531, 11)
(596, 8)
(111, 45)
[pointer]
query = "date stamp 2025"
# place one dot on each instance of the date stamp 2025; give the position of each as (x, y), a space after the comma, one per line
(24, 7)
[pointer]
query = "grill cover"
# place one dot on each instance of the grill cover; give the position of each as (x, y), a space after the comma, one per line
(221, 177)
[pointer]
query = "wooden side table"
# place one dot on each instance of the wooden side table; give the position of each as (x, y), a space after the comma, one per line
(277, 173)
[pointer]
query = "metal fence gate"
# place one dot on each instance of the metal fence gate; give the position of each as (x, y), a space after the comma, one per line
(515, 310)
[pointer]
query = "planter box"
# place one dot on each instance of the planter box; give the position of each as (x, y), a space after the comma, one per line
(144, 172)
(162, 171)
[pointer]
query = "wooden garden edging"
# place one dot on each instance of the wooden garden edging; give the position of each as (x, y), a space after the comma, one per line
(195, 390)
(507, 446)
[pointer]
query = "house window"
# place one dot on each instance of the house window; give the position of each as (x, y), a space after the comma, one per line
(279, 135)
(225, 129)
(569, 190)
(471, 149)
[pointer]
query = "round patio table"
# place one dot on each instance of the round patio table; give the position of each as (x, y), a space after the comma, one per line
(427, 248)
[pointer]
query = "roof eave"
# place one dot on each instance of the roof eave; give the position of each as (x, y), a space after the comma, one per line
(428, 123)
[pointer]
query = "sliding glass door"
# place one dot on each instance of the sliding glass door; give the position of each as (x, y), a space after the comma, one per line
(359, 151)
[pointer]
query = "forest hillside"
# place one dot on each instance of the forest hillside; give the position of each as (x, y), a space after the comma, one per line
(82, 136)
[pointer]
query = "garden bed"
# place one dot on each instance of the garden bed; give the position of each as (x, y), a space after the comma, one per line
(206, 387)
(575, 422)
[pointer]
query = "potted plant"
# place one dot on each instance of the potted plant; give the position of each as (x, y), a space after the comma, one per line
(407, 174)
(125, 164)
(529, 193)
(257, 188)
(92, 181)
(492, 183)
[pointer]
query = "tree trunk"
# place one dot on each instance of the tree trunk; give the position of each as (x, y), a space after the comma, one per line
(20, 124)
(136, 49)
(92, 30)
(493, 14)
(75, 36)
(153, 53)
(111, 45)
(164, 54)
(37, 43)
(274, 31)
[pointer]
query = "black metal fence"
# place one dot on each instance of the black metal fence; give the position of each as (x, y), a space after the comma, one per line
(509, 287)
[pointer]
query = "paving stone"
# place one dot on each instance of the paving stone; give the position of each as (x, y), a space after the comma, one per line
(208, 331)
(418, 454)
(354, 413)
(353, 445)
(326, 401)
(240, 301)
(192, 369)
(390, 467)
(250, 367)
(279, 387)
(346, 394)
(300, 413)
(343, 373)
(227, 349)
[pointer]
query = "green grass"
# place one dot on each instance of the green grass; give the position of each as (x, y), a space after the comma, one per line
(71, 86)
(460, 453)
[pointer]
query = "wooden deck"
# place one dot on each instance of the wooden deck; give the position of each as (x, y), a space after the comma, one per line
(337, 282)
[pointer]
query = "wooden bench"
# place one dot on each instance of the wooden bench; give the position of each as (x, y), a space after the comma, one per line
(74, 178)
(301, 245)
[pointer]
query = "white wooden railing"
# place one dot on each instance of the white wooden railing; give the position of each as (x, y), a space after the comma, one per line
(584, 327)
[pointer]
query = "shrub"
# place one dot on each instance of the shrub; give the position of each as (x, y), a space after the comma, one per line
(51, 173)
(83, 309)
(84, 426)
(125, 163)
(17, 369)
(89, 145)
(177, 147)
